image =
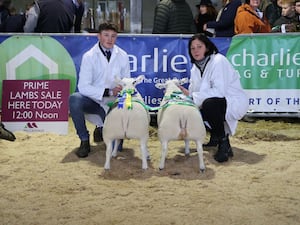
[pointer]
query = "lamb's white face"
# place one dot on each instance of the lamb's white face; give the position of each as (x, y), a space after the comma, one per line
(128, 83)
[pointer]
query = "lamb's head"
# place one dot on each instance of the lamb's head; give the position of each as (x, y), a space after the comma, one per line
(129, 85)
(171, 85)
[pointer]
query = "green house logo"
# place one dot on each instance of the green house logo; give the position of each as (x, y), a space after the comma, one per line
(35, 58)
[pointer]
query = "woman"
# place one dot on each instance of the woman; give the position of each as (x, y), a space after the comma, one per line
(215, 88)
(224, 24)
(249, 19)
(207, 12)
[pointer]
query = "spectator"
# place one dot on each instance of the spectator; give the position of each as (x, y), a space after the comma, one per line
(6, 134)
(173, 17)
(4, 12)
(207, 12)
(297, 9)
(15, 22)
(224, 24)
(288, 20)
(249, 19)
(272, 10)
(96, 85)
(216, 89)
(79, 10)
(52, 16)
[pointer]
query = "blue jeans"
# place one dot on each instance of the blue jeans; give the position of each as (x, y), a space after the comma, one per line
(79, 106)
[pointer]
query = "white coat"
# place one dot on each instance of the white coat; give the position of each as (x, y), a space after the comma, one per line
(220, 80)
(96, 74)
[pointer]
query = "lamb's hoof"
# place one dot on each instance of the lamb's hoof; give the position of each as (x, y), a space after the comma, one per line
(148, 158)
(160, 169)
(202, 170)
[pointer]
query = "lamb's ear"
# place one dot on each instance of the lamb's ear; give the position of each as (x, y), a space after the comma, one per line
(139, 79)
(160, 85)
(183, 80)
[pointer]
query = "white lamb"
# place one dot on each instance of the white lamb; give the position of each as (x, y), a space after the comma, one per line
(129, 119)
(179, 119)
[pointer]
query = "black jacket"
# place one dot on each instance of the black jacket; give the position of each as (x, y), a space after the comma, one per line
(56, 16)
(14, 24)
(173, 17)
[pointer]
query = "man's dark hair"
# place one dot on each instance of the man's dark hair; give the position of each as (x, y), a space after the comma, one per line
(210, 46)
(108, 26)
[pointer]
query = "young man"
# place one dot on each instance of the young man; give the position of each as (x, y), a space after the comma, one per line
(288, 20)
(96, 87)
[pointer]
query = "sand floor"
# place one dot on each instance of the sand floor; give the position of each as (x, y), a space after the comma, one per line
(42, 182)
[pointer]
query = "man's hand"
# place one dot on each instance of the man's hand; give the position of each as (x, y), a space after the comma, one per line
(116, 90)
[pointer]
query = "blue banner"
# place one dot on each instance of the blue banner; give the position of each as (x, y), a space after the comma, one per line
(158, 57)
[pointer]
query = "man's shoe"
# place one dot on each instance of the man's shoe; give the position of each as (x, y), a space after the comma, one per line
(98, 134)
(84, 149)
(6, 134)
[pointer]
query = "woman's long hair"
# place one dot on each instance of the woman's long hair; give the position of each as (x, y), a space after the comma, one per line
(210, 46)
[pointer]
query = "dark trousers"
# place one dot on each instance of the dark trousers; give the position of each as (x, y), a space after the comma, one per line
(213, 111)
(79, 106)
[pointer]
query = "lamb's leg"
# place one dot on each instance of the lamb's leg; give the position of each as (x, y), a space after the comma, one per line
(115, 147)
(187, 147)
(108, 154)
(164, 152)
(144, 153)
(200, 156)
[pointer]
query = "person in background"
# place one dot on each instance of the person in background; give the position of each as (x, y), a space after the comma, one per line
(4, 12)
(297, 9)
(15, 22)
(272, 10)
(216, 89)
(207, 12)
(249, 19)
(96, 85)
(79, 10)
(224, 24)
(6, 134)
(52, 16)
(288, 20)
(173, 17)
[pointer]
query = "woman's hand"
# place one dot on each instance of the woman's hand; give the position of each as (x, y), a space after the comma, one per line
(184, 90)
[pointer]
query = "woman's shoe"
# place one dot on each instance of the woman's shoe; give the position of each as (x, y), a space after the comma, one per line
(224, 150)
